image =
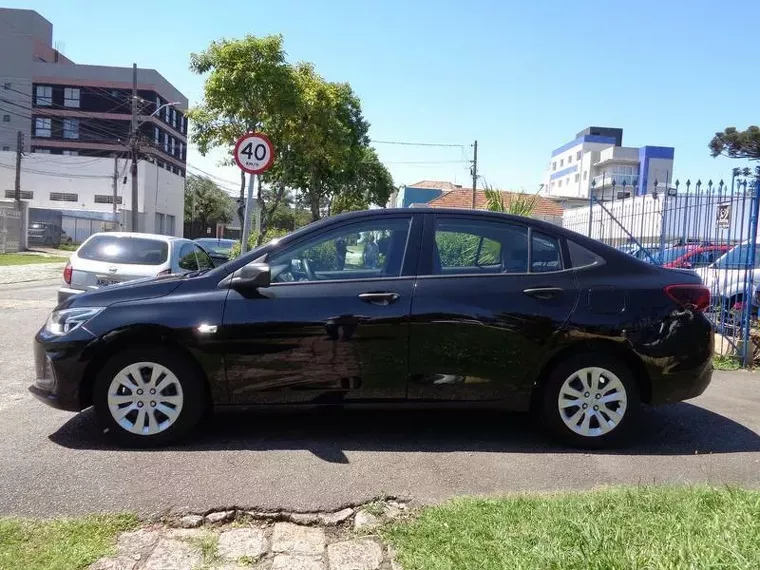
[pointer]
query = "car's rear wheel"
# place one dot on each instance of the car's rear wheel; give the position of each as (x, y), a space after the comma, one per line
(148, 396)
(590, 400)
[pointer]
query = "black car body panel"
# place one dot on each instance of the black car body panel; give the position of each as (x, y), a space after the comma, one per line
(430, 334)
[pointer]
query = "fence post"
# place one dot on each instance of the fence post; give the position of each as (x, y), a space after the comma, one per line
(749, 293)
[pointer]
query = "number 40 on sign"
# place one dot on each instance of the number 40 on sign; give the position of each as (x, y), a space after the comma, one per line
(254, 153)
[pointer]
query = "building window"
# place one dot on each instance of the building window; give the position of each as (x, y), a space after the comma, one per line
(71, 97)
(577, 177)
(114, 94)
(6, 118)
(156, 135)
(44, 95)
(184, 125)
(71, 128)
(25, 194)
(169, 225)
(106, 199)
(569, 159)
(42, 127)
(559, 183)
(6, 148)
(561, 162)
(63, 197)
(167, 109)
(554, 165)
(585, 174)
(552, 184)
(174, 118)
(578, 155)
(6, 85)
(41, 151)
(166, 143)
(182, 151)
(158, 102)
(70, 153)
(172, 147)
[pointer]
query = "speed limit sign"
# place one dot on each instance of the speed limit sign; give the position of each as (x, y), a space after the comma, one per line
(254, 153)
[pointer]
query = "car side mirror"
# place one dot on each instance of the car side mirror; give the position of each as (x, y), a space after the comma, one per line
(252, 276)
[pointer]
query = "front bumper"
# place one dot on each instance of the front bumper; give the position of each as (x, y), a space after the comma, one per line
(59, 371)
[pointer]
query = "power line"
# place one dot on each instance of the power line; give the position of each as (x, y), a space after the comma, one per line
(56, 174)
(404, 143)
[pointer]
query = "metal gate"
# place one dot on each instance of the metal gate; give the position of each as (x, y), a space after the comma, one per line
(10, 228)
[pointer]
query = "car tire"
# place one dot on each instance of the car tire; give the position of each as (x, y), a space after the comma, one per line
(604, 386)
(163, 404)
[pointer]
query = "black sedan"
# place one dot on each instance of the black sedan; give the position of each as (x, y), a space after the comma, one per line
(396, 307)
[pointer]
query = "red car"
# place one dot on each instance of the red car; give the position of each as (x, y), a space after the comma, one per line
(693, 256)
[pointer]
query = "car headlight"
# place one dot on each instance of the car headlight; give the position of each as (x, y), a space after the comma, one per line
(66, 320)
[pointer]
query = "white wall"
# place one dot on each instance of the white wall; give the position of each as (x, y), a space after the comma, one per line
(158, 189)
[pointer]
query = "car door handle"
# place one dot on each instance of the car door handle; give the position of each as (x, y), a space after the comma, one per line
(383, 299)
(543, 292)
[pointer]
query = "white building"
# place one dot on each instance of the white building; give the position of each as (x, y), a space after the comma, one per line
(82, 188)
(595, 162)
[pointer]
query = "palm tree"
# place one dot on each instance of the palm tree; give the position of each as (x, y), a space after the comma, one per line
(517, 203)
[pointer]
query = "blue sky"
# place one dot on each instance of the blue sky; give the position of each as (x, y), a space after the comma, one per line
(520, 77)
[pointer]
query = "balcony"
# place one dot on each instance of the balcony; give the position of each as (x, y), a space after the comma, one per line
(605, 180)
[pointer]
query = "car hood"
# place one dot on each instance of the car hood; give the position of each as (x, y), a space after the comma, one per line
(135, 290)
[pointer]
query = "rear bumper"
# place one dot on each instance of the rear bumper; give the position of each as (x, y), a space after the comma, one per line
(65, 292)
(682, 386)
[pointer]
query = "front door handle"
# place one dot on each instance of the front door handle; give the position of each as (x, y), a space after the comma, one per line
(543, 292)
(383, 299)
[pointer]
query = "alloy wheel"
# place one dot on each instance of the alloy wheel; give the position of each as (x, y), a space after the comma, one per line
(592, 402)
(145, 398)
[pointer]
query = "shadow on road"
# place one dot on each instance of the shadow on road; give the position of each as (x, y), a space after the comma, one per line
(678, 429)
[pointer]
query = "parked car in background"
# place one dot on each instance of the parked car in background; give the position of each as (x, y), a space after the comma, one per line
(218, 248)
(458, 307)
(108, 258)
(690, 256)
(729, 276)
(45, 233)
(644, 251)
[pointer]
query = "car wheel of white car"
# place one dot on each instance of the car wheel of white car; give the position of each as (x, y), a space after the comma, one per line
(590, 400)
(148, 396)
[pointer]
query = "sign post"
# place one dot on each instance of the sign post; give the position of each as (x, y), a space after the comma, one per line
(253, 154)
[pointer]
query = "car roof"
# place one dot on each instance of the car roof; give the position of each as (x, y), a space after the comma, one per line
(140, 235)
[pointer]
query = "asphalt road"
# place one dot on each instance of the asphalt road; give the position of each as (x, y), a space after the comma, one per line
(56, 463)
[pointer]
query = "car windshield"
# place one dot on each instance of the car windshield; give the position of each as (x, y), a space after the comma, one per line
(216, 245)
(125, 249)
(738, 257)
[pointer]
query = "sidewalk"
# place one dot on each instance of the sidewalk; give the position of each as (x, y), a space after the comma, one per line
(238, 540)
(32, 272)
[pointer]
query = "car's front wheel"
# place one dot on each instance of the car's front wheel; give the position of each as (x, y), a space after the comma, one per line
(148, 396)
(590, 400)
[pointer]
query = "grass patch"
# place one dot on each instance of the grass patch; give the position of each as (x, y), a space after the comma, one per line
(68, 247)
(725, 362)
(639, 528)
(27, 259)
(59, 544)
(208, 544)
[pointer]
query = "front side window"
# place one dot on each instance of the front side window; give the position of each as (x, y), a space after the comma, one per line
(42, 127)
(71, 97)
(71, 128)
(470, 247)
(43, 95)
(187, 259)
(370, 249)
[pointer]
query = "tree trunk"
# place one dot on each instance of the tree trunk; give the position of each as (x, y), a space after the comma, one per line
(241, 204)
(314, 204)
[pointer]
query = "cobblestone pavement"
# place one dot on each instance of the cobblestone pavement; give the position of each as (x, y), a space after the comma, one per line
(238, 540)
(31, 272)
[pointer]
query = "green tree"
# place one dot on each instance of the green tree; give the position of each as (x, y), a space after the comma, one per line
(250, 85)
(205, 202)
(516, 203)
(370, 184)
(736, 144)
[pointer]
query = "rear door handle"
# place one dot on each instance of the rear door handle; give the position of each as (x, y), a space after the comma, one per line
(382, 299)
(543, 292)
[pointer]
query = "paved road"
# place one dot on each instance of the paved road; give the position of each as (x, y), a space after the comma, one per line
(55, 463)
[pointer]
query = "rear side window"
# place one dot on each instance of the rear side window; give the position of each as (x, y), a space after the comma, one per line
(466, 247)
(580, 256)
(126, 250)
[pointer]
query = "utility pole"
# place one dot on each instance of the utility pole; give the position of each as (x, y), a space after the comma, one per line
(475, 175)
(134, 148)
(19, 152)
(115, 183)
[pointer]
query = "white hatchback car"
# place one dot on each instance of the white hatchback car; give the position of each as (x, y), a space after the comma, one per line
(107, 258)
(728, 277)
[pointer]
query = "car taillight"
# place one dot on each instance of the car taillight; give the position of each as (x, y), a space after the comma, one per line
(696, 297)
(67, 273)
